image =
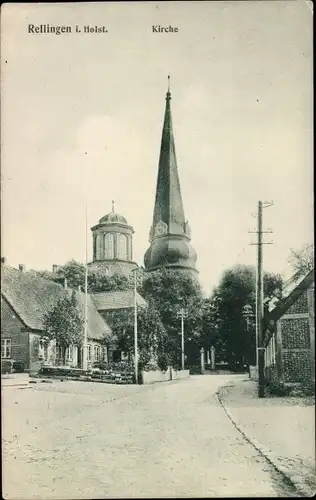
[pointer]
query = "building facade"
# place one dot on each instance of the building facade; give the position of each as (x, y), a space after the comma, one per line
(290, 337)
(25, 299)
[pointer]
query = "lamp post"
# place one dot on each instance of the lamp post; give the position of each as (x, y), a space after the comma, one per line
(248, 313)
(136, 279)
(182, 314)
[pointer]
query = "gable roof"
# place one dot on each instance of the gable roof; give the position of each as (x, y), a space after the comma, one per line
(32, 296)
(121, 299)
(293, 293)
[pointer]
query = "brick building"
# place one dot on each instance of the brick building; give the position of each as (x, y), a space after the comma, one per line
(25, 298)
(290, 337)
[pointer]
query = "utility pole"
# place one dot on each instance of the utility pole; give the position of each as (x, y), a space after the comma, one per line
(135, 329)
(182, 314)
(260, 296)
(85, 336)
(137, 278)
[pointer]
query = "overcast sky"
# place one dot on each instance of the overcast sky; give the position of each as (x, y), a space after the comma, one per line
(241, 82)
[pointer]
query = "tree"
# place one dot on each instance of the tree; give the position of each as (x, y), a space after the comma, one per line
(302, 260)
(151, 336)
(64, 324)
(98, 279)
(74, 272)
(236, 289)
(169, 291)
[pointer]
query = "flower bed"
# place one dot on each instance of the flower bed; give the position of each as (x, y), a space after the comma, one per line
(109, 375)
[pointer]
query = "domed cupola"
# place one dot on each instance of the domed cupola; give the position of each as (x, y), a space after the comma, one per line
(113, 218)
(113, 243)
(170, 233)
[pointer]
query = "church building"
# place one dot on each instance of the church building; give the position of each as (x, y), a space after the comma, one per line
(170, 233)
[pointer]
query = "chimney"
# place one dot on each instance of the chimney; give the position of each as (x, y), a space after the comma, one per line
(54, 268)
(22, 267)
(3, 260)
(65, 283)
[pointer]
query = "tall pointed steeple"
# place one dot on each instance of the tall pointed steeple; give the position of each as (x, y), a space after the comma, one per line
(170, 232)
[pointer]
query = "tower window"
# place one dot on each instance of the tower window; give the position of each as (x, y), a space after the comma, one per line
(94, 247)
(123, 247)
(108, 246)
(98, 247)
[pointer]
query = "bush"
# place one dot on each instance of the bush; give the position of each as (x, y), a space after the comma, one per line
(18, 366)
(163, 362)
(6, 366)
(278, 389)
(302, 391)
(119, 366)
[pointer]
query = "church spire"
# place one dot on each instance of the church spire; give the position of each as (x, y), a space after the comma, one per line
(170, 233)
(168, 203)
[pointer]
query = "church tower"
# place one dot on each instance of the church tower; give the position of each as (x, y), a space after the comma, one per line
(170, 233)
(113, 245)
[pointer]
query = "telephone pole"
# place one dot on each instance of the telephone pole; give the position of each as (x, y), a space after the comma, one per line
(182, 314)
(260, 295)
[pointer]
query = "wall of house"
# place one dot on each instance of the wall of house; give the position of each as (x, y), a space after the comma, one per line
(73, 358)
(292, 361)
(13, 328)
(35, 361)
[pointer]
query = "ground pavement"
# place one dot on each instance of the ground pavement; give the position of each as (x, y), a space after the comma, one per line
(283, 428)
(88, 440)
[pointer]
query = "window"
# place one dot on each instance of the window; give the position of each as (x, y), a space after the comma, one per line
(98, 247)
(59, 353)
(5, 348)
(43, 349)
(108, 246)
(122, 247)
(94, 247)
(273, 349)
(96, 353)
(89, 353)
(69, 353)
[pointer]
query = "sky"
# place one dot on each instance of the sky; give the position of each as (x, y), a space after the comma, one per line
(82, 115)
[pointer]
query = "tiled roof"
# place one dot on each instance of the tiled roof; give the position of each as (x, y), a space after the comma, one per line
(116, 300)
(31, 297)
(293, 289)
(115, 267)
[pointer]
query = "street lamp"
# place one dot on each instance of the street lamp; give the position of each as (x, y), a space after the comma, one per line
(182, 314)
(248, 313)
(135, 279)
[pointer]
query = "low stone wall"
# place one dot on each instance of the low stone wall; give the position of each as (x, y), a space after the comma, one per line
(177, 375)
(155, 376)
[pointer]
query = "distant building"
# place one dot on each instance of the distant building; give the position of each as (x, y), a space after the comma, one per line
(112, 305)
(170, 233)
(121, 301)
(25, 298)
(290, 336)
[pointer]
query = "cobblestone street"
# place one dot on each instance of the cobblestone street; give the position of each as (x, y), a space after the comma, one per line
(85, 440)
